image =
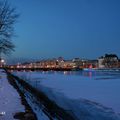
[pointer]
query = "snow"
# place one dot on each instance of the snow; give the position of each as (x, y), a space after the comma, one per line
(36, 107)
(78, 92)
(9, 99)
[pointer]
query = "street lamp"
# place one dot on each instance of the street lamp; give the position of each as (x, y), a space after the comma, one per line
(2, 62)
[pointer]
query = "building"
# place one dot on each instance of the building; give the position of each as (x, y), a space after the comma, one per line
(67, 64)
(90, 63)
(108, 61)
(119, 63)
(100, 62)
(78, 62)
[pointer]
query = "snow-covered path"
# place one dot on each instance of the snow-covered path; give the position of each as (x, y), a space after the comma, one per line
(9, 99)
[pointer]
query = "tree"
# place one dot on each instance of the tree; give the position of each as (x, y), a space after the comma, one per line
(8, 17)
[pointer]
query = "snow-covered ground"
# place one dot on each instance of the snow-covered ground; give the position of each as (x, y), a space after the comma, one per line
(80, 92)
(9, 99)
(34, 104)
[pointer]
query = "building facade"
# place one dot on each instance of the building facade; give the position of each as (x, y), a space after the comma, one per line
(108, 61)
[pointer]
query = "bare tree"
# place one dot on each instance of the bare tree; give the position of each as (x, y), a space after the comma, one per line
(8, 17)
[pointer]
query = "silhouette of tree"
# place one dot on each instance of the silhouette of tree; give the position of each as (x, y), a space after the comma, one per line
(8, 17)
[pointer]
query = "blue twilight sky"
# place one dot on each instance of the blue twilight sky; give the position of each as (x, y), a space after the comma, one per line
(68, 28)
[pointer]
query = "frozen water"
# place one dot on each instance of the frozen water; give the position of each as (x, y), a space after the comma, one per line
(72, 90)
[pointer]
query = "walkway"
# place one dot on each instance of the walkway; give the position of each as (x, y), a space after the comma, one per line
(9, 99)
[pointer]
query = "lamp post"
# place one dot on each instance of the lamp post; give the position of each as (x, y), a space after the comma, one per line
(2, 62)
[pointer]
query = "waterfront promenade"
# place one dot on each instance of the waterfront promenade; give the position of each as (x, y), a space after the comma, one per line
(10, 102)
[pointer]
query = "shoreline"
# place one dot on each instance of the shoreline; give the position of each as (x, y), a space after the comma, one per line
(63, 69)
(50, 108)
(28, 114)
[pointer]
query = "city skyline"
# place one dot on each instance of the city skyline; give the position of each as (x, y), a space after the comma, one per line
(49, 29)
(30, 60)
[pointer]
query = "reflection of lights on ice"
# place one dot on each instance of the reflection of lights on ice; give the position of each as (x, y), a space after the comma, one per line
(2, 113)
(64, 72)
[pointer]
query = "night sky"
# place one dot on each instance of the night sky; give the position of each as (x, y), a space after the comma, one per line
(68, 28)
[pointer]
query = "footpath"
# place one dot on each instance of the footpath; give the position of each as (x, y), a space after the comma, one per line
(10, 102)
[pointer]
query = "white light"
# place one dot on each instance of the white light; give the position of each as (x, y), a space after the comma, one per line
(18, 66)
(2, 113)
(2, 61)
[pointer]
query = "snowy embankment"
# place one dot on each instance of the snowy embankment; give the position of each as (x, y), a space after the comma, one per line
(10, 102)
(33, 103)
(75, 93)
